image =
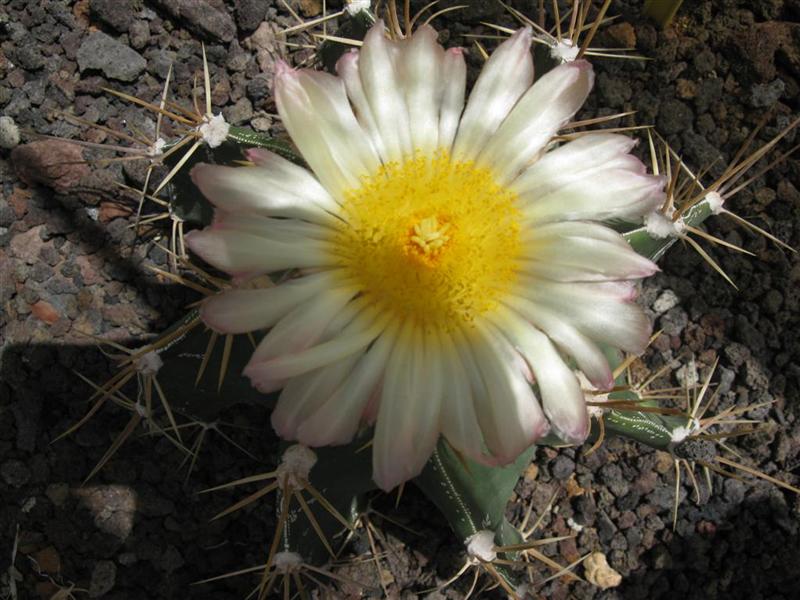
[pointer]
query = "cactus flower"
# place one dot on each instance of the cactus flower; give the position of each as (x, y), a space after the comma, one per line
(452, 268)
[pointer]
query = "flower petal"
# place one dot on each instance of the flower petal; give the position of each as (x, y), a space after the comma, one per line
(561, 393)
(569, 257)
(421, 66)
(503, 80)
(577, 159)
(316, 112)
(454, 76)
(357, 335)
(237, 253)
(381, 82)
(568, 338)
(337, 420)
(540, 113)
(305, 325)
(347, 69)
(509, 415)
(459, 421)
(275, 188)
(407, 427)
(302, 396)
(240, 311)
(603, 195)
(591, 309)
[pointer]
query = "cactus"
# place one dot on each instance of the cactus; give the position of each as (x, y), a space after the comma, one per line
(201, 380)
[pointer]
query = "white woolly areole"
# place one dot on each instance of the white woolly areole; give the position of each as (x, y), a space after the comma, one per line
(522, 590)
(660, 226)
(285, 562)
(681, 433)
(214, 130)
(356, 6)
(715, 202)
(564, 51)
(157, 149)
(149, 364)
(480, 546)
(296, 463)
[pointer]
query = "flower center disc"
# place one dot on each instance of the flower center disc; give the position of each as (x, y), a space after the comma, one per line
(431, 239)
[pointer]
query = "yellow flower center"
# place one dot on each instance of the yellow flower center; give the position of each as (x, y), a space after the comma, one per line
(431, 239)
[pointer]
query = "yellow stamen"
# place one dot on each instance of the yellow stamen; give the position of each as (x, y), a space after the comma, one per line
(431, 239)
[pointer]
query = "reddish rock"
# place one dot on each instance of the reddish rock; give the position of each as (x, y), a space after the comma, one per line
(759, 45)
(54, 163)
(48, 560)
(623, 34)
(112, 210)
(18, 201)
(44, 311)
(27, 245)
(90, 269)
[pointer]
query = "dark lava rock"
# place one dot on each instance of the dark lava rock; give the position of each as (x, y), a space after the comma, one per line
(208, 19)
(674, 117)
(118, 14)
(250, 14)
(116, 60)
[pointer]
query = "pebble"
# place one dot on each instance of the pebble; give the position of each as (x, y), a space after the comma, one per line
(9, 133)
(104, 576)
(15, 473)
(665, 301)
(119, 14)
(116, 60)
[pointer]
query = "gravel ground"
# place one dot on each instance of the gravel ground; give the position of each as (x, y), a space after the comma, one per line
(70, 266)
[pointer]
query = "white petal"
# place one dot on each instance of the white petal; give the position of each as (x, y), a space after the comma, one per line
(454, 76)
(337, 420)
(302, 396)
(356, 336)
(381, 82)
(503, 79)
(576, 159)
(537, 117)
(595, 312)
(509, 415)
(316, 112)
(287, 231)
(239, 253)
(240, 311)
(421, 65)
(273, 190)
(305, 325)
(407, 427)
(562, 397)
(603, 195)
(570, 341)
(459, 420)
(347, 69)
(573, 258)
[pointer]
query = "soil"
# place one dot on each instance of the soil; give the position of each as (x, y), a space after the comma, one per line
(70, 267)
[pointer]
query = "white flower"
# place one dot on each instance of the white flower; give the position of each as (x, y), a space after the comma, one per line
(446, 259)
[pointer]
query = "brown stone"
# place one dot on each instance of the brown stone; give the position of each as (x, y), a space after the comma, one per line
(19, 201)
(623, 34)
(27, 245)
(686, 89)
(44, 311)
(54, 163)
(48, 560)
(112, 210)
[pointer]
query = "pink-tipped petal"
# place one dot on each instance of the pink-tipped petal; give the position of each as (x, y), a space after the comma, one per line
(504, 78)
(536, 118)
